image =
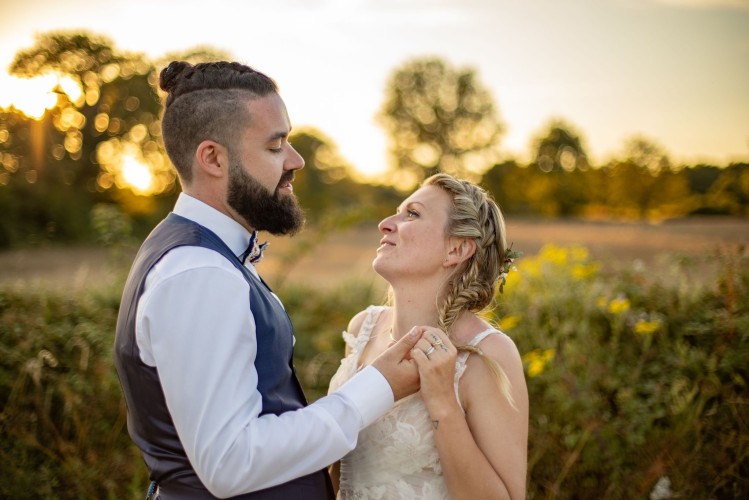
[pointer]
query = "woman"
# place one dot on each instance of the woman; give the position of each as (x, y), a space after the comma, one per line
(464, 435)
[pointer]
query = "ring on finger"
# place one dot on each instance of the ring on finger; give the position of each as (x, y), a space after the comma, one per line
(429, 351)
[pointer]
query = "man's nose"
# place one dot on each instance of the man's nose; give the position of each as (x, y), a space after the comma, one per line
(295, 160)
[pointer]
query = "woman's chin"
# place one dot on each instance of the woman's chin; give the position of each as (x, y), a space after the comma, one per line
(380, 267)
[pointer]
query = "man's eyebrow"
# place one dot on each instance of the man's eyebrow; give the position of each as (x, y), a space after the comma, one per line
(281, 134)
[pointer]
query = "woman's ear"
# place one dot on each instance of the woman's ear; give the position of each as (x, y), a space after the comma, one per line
(212, 159)
(459, 250)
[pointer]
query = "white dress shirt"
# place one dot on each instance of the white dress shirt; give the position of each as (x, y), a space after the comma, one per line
(195, 326)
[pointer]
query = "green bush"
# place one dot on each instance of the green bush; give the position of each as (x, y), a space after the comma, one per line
(637, 380)
(633, 383)
(319, 319)
(62, 425)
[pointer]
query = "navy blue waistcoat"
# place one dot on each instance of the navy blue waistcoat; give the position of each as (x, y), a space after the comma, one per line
(148, 420)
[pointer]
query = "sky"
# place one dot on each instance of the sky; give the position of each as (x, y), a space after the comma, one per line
(673, 71)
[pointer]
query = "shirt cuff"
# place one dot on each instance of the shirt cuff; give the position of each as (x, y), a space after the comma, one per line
(370, 393)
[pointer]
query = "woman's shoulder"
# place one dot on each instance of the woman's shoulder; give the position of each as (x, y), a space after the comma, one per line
(500, 346)
(494, 344)
(477, 332)
(479, 379)
(364, 320)
(360, 327)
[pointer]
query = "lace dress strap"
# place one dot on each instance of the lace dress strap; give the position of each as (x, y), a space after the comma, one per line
(460, 361)
(357, 342)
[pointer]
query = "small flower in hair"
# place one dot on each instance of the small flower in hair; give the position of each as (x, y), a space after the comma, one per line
(507, 265)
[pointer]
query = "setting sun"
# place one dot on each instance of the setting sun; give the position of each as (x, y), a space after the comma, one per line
(34, 96)
(137, 174)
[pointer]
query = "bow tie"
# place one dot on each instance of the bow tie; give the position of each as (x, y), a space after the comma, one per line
(254, 250)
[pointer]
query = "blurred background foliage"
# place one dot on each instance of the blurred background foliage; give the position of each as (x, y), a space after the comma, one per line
(638, 387)
(98, 141)
(634, 380)
(638, 384)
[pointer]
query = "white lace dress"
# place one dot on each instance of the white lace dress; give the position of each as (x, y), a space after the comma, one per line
(396, 457)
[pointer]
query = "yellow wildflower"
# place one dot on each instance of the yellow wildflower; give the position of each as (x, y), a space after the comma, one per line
(579, 253)
(584, 271)
(537, 361)
(619, 305)
(644, 327)
(530, 267)
(554, 254)
(512, 279)
(508, 322)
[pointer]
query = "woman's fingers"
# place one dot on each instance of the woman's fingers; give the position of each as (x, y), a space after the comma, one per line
(438, 339)
(422, 345)
(435, 346)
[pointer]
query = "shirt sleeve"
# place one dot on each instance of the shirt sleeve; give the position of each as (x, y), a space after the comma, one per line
(196, 327)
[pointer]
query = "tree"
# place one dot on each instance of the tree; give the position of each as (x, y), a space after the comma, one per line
(643, 184)
(115, 111)
(509, 184)
(562, 161)
(439, 119)
(194, 55)
(327, 190)
(729, 194)
(91, 146)
(560, 148)
(324, 182)
(646, 154)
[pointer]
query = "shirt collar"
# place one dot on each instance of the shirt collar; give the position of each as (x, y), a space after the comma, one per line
(230, 231)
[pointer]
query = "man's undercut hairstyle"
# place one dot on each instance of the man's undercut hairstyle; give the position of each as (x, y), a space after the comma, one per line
(206, 101)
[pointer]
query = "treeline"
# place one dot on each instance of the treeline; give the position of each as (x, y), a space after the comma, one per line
(621, 189)
(97, 150)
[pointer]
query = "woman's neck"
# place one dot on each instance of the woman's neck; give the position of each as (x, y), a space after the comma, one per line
(415, 306)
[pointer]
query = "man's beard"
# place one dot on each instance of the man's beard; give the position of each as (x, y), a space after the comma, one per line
(263, 210)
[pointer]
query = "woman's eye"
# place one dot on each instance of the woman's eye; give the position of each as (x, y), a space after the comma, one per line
(412, 213)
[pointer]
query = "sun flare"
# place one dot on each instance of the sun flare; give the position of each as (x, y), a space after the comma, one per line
(137, 174)
(34, 96)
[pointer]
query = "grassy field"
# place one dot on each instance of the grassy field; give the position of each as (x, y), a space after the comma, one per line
(347, 255)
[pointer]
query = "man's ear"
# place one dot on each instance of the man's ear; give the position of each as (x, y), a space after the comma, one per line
(459, 250)
(212, 159)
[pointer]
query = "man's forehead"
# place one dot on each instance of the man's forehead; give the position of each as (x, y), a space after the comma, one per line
(268, 113)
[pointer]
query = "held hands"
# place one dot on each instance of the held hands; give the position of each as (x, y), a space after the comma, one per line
(398, 368)
(435, 356)
(406, 365)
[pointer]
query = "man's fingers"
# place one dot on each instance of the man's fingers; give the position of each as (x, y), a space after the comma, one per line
(407, 342)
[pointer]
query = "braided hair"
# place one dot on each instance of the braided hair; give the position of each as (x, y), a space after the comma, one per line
(206, 101)
(472, 287)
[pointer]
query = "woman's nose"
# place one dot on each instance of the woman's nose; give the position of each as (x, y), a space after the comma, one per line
(386, 225)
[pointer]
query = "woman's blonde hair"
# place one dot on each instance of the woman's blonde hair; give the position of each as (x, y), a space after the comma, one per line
(473, 285)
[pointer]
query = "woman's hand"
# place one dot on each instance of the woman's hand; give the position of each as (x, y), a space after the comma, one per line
(435, 355)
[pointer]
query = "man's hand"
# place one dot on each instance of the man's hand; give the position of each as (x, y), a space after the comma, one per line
(398, 368)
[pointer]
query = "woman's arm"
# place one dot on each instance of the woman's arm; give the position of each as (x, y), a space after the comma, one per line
(484, 452)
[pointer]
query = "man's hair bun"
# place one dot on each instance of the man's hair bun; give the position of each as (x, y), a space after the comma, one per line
(170, 76)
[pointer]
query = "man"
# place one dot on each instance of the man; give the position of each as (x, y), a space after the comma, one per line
(203, 347)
